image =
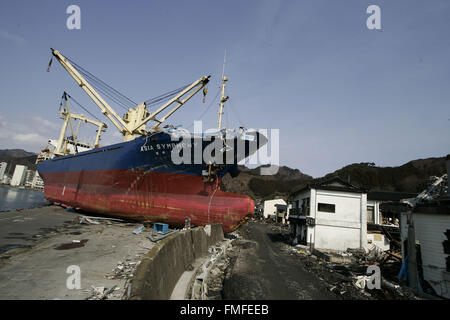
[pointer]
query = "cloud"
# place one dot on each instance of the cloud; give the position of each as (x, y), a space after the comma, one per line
(11, 37)
(32, 133)
(30, 138)
(3, 123)
(22, 135)
(46, 124)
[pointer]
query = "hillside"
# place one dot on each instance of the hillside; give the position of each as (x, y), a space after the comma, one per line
(17, 156)
(251, 183)
(410, 177)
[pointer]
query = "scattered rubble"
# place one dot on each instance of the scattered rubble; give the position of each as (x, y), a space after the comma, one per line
(345, 272)
(123, 271)
(99, 220)
(102, 293)
(154, 237)
(209, 277)
(139, 229)
(350, 273)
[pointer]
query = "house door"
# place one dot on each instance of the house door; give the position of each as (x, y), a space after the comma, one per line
(370, 214)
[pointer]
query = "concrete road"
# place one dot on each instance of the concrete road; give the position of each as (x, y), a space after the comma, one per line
(37, 246)
(24, 229)
(264, 269)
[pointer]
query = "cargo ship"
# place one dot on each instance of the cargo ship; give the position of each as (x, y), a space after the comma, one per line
(138, 178)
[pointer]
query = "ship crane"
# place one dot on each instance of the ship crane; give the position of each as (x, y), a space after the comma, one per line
(134, 121)
(67, 116)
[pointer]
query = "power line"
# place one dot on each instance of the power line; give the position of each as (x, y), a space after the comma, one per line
(207, 108)
(234, 111)
(165, 96)
(79, 104)
(119, 98)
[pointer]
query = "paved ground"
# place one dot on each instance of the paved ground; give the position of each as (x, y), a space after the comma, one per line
(36, 248)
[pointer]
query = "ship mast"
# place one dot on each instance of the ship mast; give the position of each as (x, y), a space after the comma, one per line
(223, 99)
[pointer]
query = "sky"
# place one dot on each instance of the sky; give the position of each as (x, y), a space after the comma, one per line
(338, 92)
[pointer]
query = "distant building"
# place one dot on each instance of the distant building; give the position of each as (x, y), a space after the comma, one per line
(37, 183)
(18, 177)
(270, 210)
(29, 176)
(2, 170)
(281, 212)
(6, 180)
(329, 214)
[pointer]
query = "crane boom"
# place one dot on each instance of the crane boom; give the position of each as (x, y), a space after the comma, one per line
(98, 100)
(134, 121)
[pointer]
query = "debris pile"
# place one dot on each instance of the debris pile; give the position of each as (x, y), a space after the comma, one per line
(102, 293)
(347, 274)
(208, 281)
(123, 270)
(99, 220)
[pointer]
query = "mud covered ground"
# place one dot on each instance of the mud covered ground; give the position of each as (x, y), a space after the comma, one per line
(262, 264)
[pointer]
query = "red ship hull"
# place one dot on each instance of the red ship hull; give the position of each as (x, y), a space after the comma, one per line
(148, 196)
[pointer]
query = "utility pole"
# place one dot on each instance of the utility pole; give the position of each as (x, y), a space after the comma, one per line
(412, 255)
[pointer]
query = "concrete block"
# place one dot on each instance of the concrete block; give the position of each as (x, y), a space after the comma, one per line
(214, 233)
(199, 242)
(163, 265)
(161, 268)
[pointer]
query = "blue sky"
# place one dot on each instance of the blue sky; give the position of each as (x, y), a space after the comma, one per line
(339, 92)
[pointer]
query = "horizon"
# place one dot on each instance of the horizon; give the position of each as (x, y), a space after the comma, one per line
(339, 92)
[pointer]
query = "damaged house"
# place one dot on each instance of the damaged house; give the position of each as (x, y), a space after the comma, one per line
(274, 209)
(382, 222)
(329, 214)
(376, 215)
(425, 233)
(429, 225)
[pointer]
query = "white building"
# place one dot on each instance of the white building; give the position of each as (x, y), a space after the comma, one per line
(6, 180)
(270, 210)
(19, 175)
(2, 170)
(330, 214)
(37, 183)
(29, 176)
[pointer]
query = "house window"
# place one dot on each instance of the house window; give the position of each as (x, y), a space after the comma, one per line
(370, 214)
(326, 207)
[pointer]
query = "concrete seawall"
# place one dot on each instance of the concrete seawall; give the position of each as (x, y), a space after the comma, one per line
(161, 267)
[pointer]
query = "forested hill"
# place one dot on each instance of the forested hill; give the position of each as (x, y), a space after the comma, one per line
(409, 177)
(17, 156)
